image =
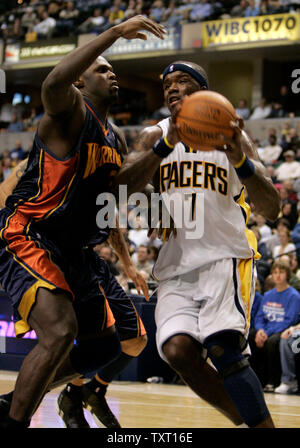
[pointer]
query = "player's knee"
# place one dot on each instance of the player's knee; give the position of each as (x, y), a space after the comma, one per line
(225, 351)
(60, 335)
(133, 347)
(178, 351)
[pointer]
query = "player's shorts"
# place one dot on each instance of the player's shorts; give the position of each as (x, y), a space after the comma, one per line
(29, 261)
(206, 301)
(128, 322)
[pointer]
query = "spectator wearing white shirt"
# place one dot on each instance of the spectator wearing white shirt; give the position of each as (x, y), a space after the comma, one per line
(271, 152)
(263, 110)
(290, 169)
(243, 110)
(264, 230)
(46, 27)
(286, 246)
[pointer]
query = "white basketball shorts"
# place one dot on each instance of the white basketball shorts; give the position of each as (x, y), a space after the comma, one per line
(205, 301)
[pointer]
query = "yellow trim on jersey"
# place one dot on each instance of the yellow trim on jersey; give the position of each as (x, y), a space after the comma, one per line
(28, 299)
(245, 269)
(168, 143)
(238, 165)
(251, 238)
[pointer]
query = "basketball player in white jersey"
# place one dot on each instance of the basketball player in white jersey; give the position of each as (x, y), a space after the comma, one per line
(207, 276)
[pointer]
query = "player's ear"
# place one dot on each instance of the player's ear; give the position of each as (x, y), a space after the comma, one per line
(79, 83)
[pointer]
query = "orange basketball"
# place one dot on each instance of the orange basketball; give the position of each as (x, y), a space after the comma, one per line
(203, 117)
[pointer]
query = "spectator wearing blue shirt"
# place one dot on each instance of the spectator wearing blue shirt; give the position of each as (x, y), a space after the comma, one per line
(252, 10)
(15, 125)
(201, 11)
(278, 310)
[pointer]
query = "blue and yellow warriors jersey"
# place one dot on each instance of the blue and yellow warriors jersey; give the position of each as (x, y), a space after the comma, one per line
(57, 197)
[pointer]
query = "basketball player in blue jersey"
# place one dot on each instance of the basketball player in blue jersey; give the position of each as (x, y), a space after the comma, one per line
(50, 218)
(207, 284)
(129, 325)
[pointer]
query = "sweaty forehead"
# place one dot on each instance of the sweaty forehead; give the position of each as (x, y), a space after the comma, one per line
(101, 61)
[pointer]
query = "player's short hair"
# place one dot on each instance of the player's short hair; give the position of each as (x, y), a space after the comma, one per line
(282, 266)
(196, 71)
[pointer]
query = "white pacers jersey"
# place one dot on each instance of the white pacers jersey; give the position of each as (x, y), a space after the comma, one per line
(206, 200)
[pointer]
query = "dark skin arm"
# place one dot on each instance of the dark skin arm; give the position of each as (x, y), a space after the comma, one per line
(63, 103)
(116, 240)
(260, 188)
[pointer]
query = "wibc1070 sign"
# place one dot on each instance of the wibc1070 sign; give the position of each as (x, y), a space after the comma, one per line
(284, 27)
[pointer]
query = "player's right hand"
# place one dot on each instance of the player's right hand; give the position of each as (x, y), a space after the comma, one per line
(130, 29)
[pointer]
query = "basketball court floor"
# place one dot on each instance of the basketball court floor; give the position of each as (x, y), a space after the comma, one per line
(143, 405)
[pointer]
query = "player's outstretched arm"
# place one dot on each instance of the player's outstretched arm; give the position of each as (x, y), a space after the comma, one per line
(58, 91)
(243, 156)
(117, 241)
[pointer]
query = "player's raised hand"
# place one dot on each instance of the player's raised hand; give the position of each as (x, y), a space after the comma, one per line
(130, 29)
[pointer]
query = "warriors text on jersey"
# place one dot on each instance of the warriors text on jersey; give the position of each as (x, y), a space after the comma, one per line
(57, 197)
(202, 187)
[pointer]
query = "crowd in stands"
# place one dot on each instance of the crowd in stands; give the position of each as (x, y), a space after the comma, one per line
(40, 19)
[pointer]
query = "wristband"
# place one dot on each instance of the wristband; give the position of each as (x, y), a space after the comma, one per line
(163, 148)
(245, 168)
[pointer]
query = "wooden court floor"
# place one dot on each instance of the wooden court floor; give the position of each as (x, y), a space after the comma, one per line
(143, 405)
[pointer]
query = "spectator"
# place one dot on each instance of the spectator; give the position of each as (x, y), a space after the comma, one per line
(17, 152)
(289, 187)
(28, 19)
(289, 212)
(16, 124)
(130, 11)
(93, 24)
(157, 11)
(264, 229)
(116, 15)
(263, 110)
(7, 165)
(105, 251)
(295, 265)
(142, 263)
(200, 11)
(270, 153)
(45, 27)
(279, 309)
(153, 254)
(281, 224)
(138, 235)
(285, 102)
(294, 280)
(289, 169)
(239, 11)
(290, 139)
(288, 347)
(243, 110)
(252, 10)
(285, 246)
(67, 19)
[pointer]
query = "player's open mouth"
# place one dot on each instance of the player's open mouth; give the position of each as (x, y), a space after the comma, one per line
(173, 100)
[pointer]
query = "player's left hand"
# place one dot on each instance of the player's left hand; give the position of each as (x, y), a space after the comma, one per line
(233, 146)
(138, 280)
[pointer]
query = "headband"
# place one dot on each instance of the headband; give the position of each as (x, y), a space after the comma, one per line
(186, 68)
